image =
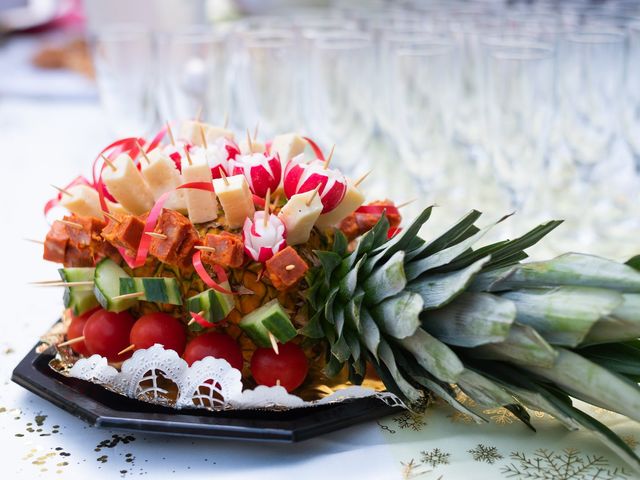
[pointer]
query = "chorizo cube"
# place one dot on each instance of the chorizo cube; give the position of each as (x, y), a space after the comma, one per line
(55, 243)
(229, 250)
(126, 234)
(286, 268)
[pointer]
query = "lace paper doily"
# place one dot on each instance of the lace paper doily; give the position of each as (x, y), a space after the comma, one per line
(160, 376)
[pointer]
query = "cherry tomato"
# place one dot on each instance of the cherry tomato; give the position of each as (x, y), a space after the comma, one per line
(216, 345)
(107, 333)
(159, 328)
(290, 366)
(76, 327)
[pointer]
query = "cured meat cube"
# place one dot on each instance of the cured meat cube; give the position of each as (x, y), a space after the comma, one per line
(286, 268)
(55, 243)
(181, 238)
(126, 234)
(229, 250)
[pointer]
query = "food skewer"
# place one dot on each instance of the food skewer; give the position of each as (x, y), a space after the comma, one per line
(193, 320)
(267, 208)
(203, 136)
(224, 177)
(255, 131)
(111, 216)
(159, 236)
(33, 241)
(127, 296)
(108, 162)
(225, 123)
(362, 178)
(186, 152)
(408, 202)
(128, 349)
(249, 142)
(144, 154)
(274, 343)
(205, 248)
(71, 342)
(313, 195)
(328, 160)
(170, 133)
(60, 283)
(62, 190)
(71, 224)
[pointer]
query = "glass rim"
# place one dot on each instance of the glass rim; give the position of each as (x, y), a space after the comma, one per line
(597, 36)
(343, 40)
(125, 31)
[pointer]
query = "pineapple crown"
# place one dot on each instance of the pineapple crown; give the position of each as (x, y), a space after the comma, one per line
(428, 315)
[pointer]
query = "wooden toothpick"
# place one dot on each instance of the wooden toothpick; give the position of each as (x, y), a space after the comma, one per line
(409, 202)
(193, 320)
(186, 152)
(313, 195)
(63, 191)
(170, 133)
(71, 342)
(203, 136)
(127, 296)
(159, 236)
(198, 113)
(255, 130)
(226, 120)
(205, 249)
(274, 343)
(111, 217)
(108, 162)
(144, 154)
(288, 268)
(60, 283)
(249, 143)
(267, 208)
(71, 224)
(224, 177)
(33, 241)
(128, 349)
(362, 178)
(328, 160)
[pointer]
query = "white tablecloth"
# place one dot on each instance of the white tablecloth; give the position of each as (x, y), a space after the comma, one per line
(48, 141)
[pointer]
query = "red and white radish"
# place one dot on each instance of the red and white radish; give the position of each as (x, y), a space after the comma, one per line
(263, 172)
(300, 177)
(263, 238)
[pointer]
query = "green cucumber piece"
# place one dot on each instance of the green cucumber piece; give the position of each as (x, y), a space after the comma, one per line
(79, 299)
(107, 286)
(270, 317)
(215, 305)
(156, 289)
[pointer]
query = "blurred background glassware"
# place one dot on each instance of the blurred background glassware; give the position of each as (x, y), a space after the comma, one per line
(421, 71)
(631, 107)
(519, 109)
(591, 72)
(194, 74)
(123, 57)
(266, 82)
(340, 90)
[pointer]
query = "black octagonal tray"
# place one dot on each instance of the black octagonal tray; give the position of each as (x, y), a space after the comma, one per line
(102, 408)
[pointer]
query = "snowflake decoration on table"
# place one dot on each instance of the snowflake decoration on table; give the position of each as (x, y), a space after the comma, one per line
(569, 465)
(484, 453)
(410, 421)
(631, 441)
(500, 416)
(435, 457)
(413, 469)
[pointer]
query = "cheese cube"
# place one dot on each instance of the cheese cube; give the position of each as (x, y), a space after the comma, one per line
(288, 146)
(162, 176)
(235, 198)
(201, 205)
(352, 200)
(190, 132)
(127, 185)
(299, 218)
(83, 201)
(116, 208)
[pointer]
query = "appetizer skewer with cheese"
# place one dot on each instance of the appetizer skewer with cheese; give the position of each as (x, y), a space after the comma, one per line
(127, 185)
(82, 200)
(299, 215)
(201, 205)
(162, 176)
(352, 200)
(236, 199)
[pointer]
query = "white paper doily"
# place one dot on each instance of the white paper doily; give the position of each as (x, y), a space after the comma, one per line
(160, 376)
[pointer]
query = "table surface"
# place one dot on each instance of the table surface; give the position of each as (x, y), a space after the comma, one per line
(47, 139)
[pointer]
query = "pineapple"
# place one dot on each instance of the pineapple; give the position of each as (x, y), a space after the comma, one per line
(429, 316)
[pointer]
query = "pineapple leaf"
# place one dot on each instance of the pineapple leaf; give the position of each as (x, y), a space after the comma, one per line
(399, 316)
(470, 320)
(354, 309)
(460, 231)
(434, 356)
(370, 332)
(618, 357)
(634, 262)
(329, 262)
(386, 281)
(622, 325)
(354, 345)
(523, 345)
(340, 242)
(588, 381)
(525, 241)
(563, 315)
(484, 391)
(313, 328)
(349, 282)
(340, 349)
(386, 356)
(439, 289)
(328, 306)
(339, 319)
(333, 367)
(573, 269)
(472, 256)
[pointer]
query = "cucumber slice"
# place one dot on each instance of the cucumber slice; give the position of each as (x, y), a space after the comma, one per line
(156, 289)
(270, 317)
(215, 305)
(107, 286)
(79, 299)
